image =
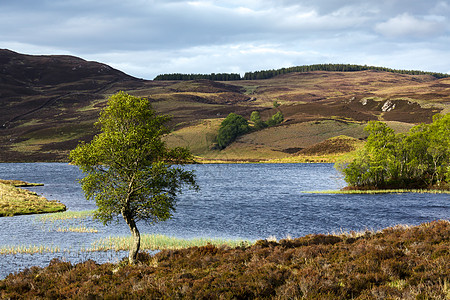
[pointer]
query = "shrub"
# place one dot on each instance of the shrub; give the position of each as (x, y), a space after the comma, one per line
(275, 119)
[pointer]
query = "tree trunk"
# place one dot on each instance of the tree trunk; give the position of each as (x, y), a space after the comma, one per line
(134, 249)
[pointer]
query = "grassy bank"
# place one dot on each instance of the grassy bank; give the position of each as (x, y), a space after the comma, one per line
(17, 201)
(401, 262)
(386, 191)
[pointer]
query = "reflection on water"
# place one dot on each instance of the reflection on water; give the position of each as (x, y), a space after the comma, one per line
(248, 201)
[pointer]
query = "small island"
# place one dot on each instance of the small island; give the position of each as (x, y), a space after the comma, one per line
(417, 160)
(16, 201)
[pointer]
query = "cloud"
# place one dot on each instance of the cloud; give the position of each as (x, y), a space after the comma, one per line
(148, 37)
(405, 25)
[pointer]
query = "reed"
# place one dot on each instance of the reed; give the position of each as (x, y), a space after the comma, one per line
(160, 242)
(80, 229)
(31, 249)
(66, 215)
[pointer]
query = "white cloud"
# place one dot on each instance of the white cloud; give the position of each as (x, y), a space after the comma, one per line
(405, 25)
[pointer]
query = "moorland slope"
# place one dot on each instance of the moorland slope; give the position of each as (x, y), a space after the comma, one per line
(50, 103)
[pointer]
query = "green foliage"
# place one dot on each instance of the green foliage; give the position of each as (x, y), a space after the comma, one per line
(128, 166)
(420, 159)
(255, 117)
(233, 126)
(275, 119)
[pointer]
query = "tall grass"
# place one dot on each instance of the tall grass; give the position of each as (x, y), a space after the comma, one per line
(66, 215)
(159, 242)
(30, 249)
(80, 229)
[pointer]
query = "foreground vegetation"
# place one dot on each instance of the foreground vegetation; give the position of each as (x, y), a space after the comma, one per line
(16, 201)
(396, 263)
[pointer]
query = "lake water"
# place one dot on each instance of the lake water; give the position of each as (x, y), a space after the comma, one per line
(245, 201)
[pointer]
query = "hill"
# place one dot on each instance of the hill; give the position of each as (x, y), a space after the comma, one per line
(50, 103)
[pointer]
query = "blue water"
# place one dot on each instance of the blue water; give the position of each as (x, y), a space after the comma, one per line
(246, 201)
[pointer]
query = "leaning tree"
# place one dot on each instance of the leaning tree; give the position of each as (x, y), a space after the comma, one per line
(130, 172)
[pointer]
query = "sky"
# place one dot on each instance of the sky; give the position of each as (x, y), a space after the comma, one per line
(145, 38)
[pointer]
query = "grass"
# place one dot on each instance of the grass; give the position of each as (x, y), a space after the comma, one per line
(57, 221)
(159, 242)
(387, 191)
(32, 249)
(16, 201)
(65, 215)
(400, 262)
(80, 229)
(19, 183)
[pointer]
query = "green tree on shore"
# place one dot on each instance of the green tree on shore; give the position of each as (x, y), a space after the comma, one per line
(419, 159)
(128, 167)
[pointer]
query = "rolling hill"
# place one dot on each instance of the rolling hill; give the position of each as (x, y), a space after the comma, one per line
(50, 103)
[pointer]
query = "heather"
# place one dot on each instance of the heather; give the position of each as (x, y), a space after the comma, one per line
(400, 262)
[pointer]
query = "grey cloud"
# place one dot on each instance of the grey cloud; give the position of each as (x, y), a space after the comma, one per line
(147, 37)
(405, 25)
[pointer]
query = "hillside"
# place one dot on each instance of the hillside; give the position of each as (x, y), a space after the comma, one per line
(49, 104)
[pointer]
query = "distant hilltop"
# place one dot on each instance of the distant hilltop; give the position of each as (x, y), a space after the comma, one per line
(266, 74)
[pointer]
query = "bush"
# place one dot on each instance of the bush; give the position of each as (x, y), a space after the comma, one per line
(255, 117)
(275, 119)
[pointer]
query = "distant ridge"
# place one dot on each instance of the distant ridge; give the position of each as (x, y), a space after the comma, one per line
(266, 74)
(41, 70)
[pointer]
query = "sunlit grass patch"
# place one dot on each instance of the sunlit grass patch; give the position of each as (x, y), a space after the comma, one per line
(19, 183)
(66, 215)
(160, 242)
(16, 201)
(387, 191)
(31, 249)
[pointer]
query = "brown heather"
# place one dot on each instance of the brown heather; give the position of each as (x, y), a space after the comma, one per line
(400, 262)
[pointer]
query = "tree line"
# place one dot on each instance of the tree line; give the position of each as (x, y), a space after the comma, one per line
(266, 74)
(419, 159)
(212, 76)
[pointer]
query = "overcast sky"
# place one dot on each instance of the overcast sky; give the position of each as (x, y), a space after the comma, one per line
(145, 38)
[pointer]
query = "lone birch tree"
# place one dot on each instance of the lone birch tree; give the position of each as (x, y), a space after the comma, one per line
(129, 169)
